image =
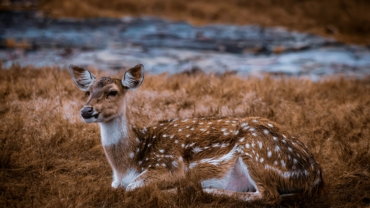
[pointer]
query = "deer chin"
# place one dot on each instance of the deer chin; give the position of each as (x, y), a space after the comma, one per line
(93, 119)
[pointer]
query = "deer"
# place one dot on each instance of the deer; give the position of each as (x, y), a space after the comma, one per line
(251, 158)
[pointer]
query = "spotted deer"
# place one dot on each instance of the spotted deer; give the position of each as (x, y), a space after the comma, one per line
(250, 158)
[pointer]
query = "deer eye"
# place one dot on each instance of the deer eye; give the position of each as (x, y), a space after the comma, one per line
(112, 93)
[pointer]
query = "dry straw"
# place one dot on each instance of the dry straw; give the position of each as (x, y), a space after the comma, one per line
(49, 158)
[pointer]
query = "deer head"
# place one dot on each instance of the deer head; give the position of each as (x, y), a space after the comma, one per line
(105, 95)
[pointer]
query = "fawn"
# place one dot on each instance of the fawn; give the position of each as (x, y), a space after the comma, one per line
(250, 158)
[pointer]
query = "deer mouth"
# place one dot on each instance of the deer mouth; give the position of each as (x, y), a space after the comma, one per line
(89, 116)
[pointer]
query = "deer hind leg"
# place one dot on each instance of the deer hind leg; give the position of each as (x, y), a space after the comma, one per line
(154, 176)
(239, 184)
(246, 185)
(245, 196)
(263, 182)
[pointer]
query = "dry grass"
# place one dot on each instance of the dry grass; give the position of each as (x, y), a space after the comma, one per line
(49, 158)
(348, 21)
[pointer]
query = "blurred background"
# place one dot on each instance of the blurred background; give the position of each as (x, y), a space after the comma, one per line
(294, 37)
(315, 53)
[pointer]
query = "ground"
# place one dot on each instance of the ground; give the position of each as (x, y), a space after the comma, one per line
(50, 158)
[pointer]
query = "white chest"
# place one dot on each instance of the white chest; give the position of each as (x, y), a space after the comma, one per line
(111, 133)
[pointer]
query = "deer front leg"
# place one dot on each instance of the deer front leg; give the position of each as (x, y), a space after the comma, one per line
(116, 180)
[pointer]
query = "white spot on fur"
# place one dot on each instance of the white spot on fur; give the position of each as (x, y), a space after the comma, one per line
(131, 155)
(241, 139)
(260, 144)
(193, 164)
(248, 155)
(224, 145)
(215, 145)
(270, 125)
(277, 148)
(161, 150)
(244, 124)
(269, 154)
(197, 149)
(175, 164)
(247, 146)
(265, 131)
(283, 163)
(176, 141)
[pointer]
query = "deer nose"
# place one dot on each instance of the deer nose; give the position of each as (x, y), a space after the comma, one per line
(86, 112)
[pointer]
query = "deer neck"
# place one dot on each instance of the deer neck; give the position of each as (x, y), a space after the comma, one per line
(118, 141)
(114, 131)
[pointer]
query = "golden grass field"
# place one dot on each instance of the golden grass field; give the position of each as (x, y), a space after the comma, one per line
(50, 158)
(347, 21)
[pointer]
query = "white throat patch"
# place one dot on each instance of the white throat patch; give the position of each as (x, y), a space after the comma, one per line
(111, 132)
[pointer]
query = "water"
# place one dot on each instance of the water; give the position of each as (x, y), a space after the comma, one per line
(175, 47)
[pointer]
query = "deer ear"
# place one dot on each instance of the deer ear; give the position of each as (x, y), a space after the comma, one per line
(81, 77)
(133, 77)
